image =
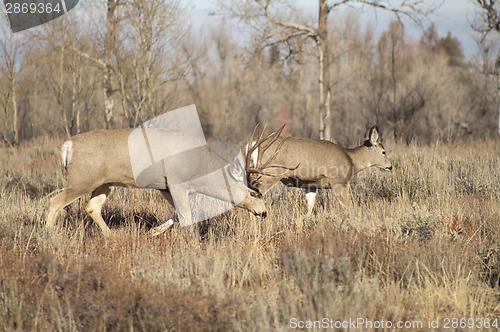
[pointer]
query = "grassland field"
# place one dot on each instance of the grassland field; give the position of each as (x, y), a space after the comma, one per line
(422, 244)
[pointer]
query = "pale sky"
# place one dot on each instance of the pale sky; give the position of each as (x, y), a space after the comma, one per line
(453, 16)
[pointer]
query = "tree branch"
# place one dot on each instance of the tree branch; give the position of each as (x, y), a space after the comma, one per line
(337, 4)
(289, 25)
(87, 56)
(492, 15)
(407, 8)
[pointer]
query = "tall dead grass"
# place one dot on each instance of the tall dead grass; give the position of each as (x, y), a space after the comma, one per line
(421, 244)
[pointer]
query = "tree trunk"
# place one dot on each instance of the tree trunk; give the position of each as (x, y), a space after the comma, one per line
(497, 65)
(75, 107)
(107, 77)
(328, 122)
(324, 76)
(395, 115)
(61, 90)
(14, 113)
(12, 70)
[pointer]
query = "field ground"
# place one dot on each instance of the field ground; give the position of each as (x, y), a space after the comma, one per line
(423, 243)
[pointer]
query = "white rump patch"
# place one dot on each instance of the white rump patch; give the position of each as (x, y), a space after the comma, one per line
(66, 153)
(254, 156)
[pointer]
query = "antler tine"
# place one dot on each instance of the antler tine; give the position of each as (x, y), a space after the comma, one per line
(260, 149)
(256, 144)
(271, 138)
(251, 146)
(271, 141)
(262, 144)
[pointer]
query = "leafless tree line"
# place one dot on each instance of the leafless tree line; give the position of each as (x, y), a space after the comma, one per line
(120, 62)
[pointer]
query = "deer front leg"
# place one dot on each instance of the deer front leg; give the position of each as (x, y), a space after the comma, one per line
(183, 208)
(341, 192)
(94, 208)
(179, 195)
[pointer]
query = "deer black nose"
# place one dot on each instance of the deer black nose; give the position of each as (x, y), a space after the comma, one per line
(263, 214)
(390, 168)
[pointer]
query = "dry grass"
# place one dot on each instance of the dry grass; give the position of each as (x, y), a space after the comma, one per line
(423, 243)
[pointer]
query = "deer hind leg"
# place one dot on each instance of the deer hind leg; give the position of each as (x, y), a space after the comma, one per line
(94, 207)
(341, 192)
(310, 199)
(58, 202)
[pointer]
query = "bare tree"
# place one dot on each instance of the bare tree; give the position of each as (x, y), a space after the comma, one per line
(489, 20)
(109, 49)
(236, 82)
(104, 59)
(51, 49)
(10, 68)
(395, 36)
(154, 30)
(265, 17)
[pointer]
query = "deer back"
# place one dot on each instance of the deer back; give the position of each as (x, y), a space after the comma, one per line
(316, 159)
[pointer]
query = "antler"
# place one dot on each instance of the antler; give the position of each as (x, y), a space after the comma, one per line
(262, 144)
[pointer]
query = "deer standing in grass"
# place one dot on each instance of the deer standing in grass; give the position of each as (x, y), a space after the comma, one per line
(97, 160)
(321, 164)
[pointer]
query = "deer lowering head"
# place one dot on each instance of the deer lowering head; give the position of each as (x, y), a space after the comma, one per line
(95, 161)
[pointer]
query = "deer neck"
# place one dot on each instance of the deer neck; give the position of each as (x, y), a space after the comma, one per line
(358, 157)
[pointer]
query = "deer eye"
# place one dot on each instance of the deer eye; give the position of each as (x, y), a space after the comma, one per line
(253, 194)
(383, 152)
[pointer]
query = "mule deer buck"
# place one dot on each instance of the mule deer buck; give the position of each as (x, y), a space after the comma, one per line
(321, 164)
(97, 160)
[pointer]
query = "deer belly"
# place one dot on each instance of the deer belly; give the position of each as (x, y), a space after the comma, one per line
(307, 183)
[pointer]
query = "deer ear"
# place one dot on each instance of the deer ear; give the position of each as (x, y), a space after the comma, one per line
(372, 135)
